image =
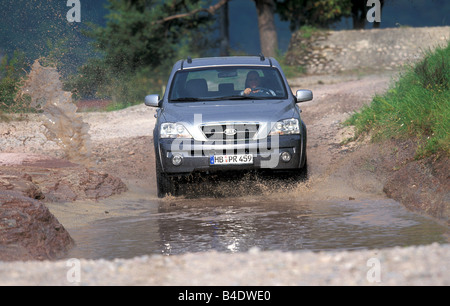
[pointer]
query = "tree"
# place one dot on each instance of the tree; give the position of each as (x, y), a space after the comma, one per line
(147, 32)
(359, 10)
(139, 43)
(266, 23)
(11, 73)
(36, 27)
(317, 13)
(224, 27)
(359, 14)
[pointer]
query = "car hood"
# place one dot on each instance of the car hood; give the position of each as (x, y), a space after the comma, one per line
(195, 113)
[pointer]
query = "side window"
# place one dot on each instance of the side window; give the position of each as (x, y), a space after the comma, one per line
(178, 84)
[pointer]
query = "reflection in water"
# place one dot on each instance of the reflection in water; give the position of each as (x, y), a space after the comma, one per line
(223, 226)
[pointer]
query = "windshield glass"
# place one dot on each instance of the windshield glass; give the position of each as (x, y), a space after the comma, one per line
(222, 83)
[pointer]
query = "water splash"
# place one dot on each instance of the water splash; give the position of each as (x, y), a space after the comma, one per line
(63, 125)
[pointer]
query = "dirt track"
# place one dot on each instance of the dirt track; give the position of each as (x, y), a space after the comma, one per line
(122, 147)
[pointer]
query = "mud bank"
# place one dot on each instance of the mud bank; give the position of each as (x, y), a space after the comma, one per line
(28, 183)
(344, 167)
(28, 231)
(55, 180)
(390, 167)
(421, 185)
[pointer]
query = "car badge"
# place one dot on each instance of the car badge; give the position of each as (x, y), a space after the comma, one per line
(230, 132)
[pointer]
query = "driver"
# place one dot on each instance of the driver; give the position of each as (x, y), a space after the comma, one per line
(252, 85)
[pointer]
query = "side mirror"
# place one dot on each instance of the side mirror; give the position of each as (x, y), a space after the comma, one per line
(152, 100)
(304, 95)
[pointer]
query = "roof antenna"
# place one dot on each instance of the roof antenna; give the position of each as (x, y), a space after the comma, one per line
(189, 60)
(261, 57)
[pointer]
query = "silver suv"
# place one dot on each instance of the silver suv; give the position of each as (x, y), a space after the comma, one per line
(227, 113)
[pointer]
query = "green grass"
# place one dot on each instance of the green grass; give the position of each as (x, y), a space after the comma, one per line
(290, 71)
(417, 106)
(3, 117)
(309, 31)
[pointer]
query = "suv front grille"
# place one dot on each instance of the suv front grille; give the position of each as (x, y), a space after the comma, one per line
(230, 131)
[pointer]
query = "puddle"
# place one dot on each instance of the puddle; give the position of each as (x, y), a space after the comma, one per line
(231, 225)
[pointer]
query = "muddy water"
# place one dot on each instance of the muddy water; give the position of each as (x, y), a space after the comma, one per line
(178, 225)
(63, 125)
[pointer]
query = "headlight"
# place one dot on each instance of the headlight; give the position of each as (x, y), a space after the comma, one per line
(286, 127)
(174, 130)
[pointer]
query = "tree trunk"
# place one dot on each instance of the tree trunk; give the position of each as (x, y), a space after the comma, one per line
(376, 25)
(359, 11)
(266, 24)
(224, 31)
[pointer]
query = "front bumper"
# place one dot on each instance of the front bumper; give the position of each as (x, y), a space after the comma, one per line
(195, 155)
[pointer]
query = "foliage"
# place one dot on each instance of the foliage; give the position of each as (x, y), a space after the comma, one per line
(133, 37)
(290, 71)
(317, 13)
(418, 106)
(39, 27)
(11, 73)
(138, 49)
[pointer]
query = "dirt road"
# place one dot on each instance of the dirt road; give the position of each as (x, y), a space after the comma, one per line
(122, 147)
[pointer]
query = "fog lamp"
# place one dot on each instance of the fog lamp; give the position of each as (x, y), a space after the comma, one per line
(177, 159)
(286, 157)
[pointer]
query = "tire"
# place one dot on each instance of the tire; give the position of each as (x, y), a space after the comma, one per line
(164, 184)
(303, 171)
(304, 140)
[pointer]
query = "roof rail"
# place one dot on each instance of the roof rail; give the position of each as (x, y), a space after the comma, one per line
(263, 58)
(189, 61)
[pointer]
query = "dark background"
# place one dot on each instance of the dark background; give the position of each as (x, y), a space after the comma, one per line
(37, 26)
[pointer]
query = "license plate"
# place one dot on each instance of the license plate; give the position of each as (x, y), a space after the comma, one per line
(231, 159)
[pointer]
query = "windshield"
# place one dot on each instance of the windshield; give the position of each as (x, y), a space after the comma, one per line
(222, 83)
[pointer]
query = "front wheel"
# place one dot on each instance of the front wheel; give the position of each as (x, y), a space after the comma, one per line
(302, 173)
(164, 184)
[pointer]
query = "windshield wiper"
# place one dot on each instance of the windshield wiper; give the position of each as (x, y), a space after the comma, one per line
(237, 98)
(192, 99)
(187, 99)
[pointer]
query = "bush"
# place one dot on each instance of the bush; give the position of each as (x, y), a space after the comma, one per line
(417, 105)
(8, 90)
(96, 81)
(11, 73)
(433, 75)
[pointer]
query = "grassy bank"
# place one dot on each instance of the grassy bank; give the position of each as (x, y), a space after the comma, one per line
(417, 106)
